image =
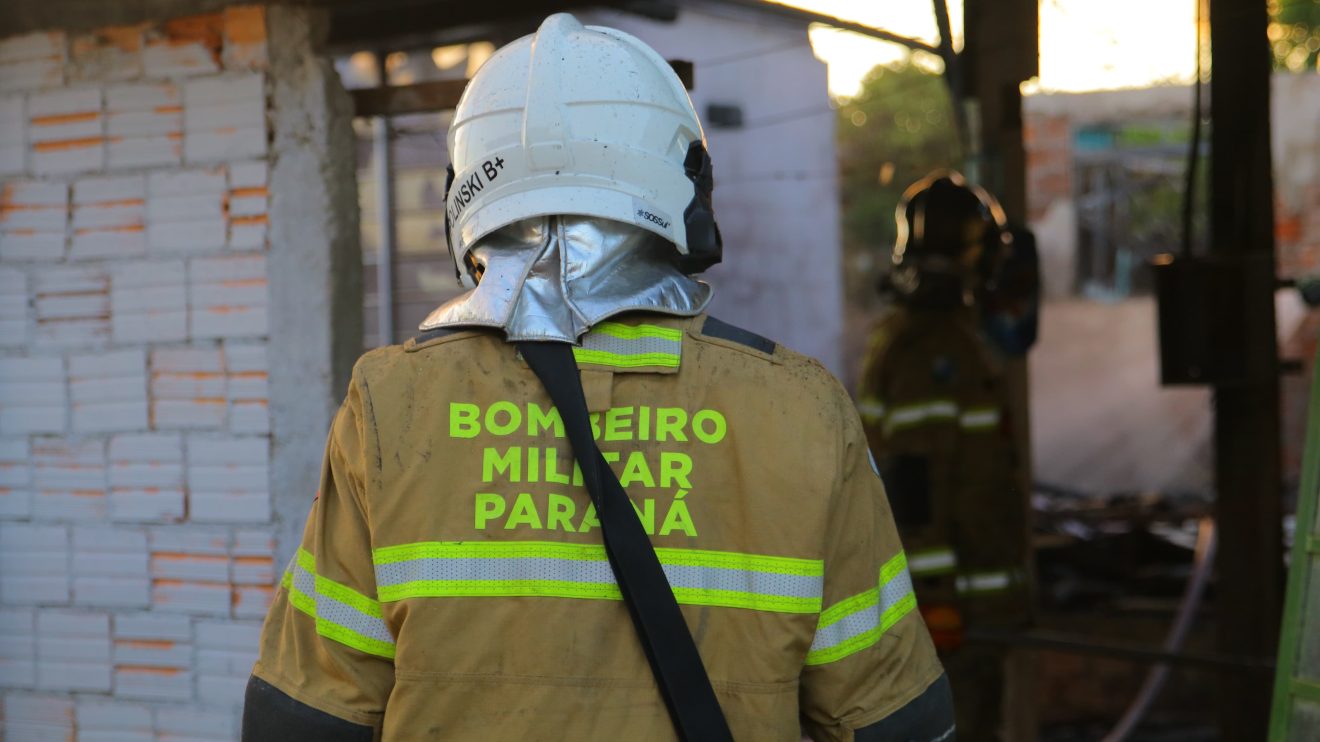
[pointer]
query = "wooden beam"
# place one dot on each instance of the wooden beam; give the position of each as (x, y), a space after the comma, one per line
(396, 100)
(1247, 427)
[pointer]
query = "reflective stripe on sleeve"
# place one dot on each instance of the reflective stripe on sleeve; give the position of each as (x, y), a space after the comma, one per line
(872, 410)
(984, 583)
(936, 561)
(630, 346)
(978, 419)
(562, 570)
(341, 613)
(856, 623)
(915, 415)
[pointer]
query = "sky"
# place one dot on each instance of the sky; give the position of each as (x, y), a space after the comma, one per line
(1085, 44)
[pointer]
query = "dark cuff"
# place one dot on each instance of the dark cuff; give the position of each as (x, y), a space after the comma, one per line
(270, 715)
(926, 718)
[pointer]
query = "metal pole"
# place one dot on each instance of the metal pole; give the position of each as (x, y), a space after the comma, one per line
(1247, 446)
(382, 172)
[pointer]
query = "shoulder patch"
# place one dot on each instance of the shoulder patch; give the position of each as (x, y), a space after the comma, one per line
(429, 337)
(438, 332)
(724, 331)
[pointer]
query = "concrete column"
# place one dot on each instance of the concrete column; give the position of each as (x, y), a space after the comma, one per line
(315, 261)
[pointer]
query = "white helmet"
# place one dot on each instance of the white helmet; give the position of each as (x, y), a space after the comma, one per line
(580, 120)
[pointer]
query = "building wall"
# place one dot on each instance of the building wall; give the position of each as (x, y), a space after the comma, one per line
(1052, 121)
(139, 344)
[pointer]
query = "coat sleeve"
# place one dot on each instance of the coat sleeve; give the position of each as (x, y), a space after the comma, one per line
(871, 654)
(326, 663)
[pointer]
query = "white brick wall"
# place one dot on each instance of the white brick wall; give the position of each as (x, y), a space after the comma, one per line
(136, 542)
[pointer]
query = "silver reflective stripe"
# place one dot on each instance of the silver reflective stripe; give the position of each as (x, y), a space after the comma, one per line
(628, 346)
(858, 622)
(985, 582)
(916, 414)
(338, 613)
(872, 410)
(932, 561)
(526, 571)
(980, 419)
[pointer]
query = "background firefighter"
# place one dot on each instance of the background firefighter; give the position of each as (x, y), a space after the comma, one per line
(934, 408)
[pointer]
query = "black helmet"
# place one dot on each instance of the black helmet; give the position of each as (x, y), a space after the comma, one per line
(951, 239)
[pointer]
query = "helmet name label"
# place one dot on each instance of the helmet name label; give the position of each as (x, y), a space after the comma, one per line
(644, 214)
(461, 194)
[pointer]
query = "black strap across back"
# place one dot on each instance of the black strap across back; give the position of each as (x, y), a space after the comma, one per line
(675, 662)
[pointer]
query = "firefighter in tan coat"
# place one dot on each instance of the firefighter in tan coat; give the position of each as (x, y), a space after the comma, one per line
(451, 582)
(933, 404)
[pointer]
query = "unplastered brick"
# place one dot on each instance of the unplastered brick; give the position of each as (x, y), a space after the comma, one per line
(152, 683)
(15, 478)
(146, 477)
(69, 478)
(13, 307)
(32, 61)
(40, 45)
(199, 598)
(224, 118)
(113, 721)
(196, 724)
(34, 564)
(67, 131)
(13, 135)
(72, 305)
(188, 540)
(252, 601)
(190, 567)
(153, 653)
(228, 296)
(228, 480)
(149, 301)
(33, 395)
(186, 46)
(110, 567)
(253, 570)
(186, 210)
(107, 54)
(109, 391)
(245, 37)
(188, 388)
(73, 651)
(18, 648)
(153, 626)
(108, 218)
(33, 217)
(40, 718)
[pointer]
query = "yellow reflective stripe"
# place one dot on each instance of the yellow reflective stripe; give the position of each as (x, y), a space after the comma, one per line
(633, 332)
(367, 634)
(485, 549)
(738, 560)
(980, 419)
(858, 622)
(605, 358)
(564, 570)
(593, 552)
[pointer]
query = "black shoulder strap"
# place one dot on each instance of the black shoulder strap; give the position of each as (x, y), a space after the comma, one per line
(717, 328)
(664, 634)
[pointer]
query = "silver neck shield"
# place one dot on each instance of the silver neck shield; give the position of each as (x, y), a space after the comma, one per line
(554, 277)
